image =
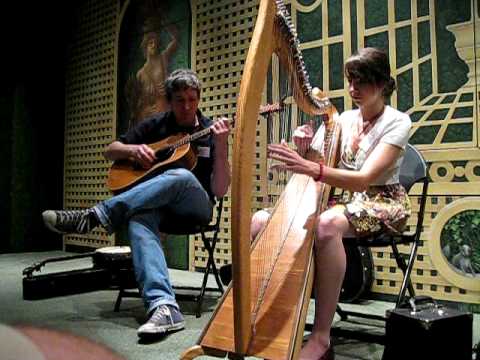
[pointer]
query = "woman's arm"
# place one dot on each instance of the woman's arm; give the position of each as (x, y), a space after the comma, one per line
(382, 158)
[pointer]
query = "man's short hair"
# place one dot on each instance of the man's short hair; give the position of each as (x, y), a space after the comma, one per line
(182, 79)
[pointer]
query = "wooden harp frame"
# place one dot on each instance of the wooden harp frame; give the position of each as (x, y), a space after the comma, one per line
(218, 339)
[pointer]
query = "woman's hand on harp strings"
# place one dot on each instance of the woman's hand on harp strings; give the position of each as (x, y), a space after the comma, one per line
(302, 138)
(291, 160)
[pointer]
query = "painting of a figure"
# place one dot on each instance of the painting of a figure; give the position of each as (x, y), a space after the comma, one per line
(150, 47)
(154, 40)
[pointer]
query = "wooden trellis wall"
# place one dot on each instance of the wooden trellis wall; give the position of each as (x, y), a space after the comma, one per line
(222, 31)
(90, 97)
(445, 120)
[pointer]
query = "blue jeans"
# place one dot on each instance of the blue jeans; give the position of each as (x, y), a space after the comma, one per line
(146, 208)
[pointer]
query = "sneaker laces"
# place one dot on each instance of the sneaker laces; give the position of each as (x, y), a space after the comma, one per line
(75, 220)
(162, 311)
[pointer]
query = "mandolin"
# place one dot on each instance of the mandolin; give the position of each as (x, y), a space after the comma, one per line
(172, 152)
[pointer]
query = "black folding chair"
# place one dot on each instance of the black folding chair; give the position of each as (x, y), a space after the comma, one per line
(209, 242)
(412, 171)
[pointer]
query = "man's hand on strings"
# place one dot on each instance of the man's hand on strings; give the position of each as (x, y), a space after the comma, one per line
(290, 160)
(221, 130)
(302, 138)
(144, 155)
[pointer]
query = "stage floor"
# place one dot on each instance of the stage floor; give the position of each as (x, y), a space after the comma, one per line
(91, 314)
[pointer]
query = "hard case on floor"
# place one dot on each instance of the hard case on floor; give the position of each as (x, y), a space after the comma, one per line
(111, 268)
(424, 330)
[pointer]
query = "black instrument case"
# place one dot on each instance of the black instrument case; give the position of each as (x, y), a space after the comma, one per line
(422, 329)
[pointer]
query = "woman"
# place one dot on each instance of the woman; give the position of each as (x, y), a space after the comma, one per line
(373, 139)
(145, 92)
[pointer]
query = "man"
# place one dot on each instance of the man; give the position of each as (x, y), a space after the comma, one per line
(149, 206)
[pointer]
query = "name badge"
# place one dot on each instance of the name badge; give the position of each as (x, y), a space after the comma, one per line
(204, 151)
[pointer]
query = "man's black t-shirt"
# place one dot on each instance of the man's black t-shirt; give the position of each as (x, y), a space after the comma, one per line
(162, 125)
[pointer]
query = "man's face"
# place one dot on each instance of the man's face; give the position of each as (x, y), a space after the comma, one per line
(184, 105)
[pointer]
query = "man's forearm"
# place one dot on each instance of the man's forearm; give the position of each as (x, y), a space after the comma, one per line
(221, 174)
(117, 151)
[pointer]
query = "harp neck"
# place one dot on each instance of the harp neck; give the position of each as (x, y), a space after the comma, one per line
(273, 33)
(287, 48)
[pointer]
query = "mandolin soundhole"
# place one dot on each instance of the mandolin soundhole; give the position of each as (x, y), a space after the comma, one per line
(164, 154)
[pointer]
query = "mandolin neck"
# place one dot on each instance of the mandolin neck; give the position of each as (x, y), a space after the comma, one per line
(182, 141)
(191, 137)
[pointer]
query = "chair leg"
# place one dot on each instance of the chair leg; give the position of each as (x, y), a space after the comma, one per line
(407, 283)
(202, 290)
(211, 260)
(341, 313)
(210, 267)
(119, 300)
(360, 335)
(217, 277)
(125, 293)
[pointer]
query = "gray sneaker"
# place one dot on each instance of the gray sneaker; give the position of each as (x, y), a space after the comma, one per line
(164, 319)
(70, 221)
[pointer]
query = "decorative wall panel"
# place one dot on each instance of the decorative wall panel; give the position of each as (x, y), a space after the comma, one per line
(434, 59)
(222, 31)
(89, 113)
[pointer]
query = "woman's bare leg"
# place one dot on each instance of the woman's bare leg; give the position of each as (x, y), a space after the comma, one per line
(330, 264)
(259, 219)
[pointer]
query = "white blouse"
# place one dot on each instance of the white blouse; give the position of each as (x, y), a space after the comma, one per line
(392, 127)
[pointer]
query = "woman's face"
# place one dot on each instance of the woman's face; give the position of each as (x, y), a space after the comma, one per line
(364, 93)
(152, 46)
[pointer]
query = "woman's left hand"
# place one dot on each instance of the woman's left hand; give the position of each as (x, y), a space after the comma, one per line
(291, 160)
(302, 138)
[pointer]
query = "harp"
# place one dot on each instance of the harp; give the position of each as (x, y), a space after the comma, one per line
(263, 313)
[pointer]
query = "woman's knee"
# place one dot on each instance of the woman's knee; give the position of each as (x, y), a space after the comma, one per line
(331, 225)
(259, 219)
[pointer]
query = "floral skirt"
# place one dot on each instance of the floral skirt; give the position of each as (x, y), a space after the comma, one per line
(381, 208)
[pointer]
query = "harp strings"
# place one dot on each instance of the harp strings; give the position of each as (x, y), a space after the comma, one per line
(290, 85)
(280, 126)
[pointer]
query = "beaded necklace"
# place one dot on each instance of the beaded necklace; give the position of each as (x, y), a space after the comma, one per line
(362, 129)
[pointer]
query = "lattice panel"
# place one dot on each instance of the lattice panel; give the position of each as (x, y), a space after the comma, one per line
(222, 34)
(427, 274)
(445, 127)
(444, 111)
(89, 116)
(445, 118)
